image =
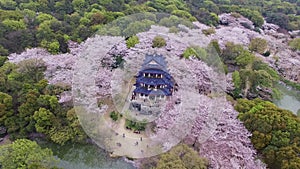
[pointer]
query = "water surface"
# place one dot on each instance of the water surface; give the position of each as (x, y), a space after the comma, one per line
(290, 99)
(78, 156)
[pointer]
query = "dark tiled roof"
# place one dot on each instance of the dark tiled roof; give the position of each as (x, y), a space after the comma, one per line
(159, 59)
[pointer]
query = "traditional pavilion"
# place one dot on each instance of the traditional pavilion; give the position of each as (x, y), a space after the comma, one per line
(153, 81)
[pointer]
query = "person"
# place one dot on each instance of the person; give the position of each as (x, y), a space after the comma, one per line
(141, 139)
(136, 143)
(123, 135)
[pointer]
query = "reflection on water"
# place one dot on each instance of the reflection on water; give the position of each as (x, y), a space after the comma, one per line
(290, 98)
(77, 156)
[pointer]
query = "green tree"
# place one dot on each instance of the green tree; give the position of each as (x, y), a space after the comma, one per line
(132, 41)
(184, 14)
(44, 32)
(26, 111)
(181, 157)
(260, 65)
(205, 16)
(209, 31)
(54, 47)
(135, 125)
(244, 58)
(174, 21)
(275, 132)
(137, 26)
(6, 107)
(60, 135)
(26, 154)
(230, 52)
(295, 44)
(158, 42)
(279, 19)
(215, 45)
(31, 70)
(3, 51)
(47, 101)
(195, 51)
(2, 60)
(114, 115)
(258, 45)
(14, 25)
(237, 83)
(8, 4)
(78, 134)
(79, 5)
(44, 17)
(44, 120)
(211, 6)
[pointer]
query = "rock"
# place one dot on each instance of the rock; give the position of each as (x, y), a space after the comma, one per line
(227, 19)
(295, 34)
(65, 97)
(270, 27)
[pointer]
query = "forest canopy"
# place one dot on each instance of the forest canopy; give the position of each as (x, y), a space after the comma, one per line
(275, 132)
(51, 24)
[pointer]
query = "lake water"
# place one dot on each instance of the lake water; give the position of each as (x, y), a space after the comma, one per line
(78, 156)
(290, 98)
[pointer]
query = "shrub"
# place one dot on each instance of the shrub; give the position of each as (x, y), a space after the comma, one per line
(114, 115)
(52, 47)
(295, 44)
(3, 51)
(173, 29)
(134, 125)
(208, 31)
(236, 15)
(2, 60)
(258, 45)
(195, 51)
(132, 41)
(158, 42)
